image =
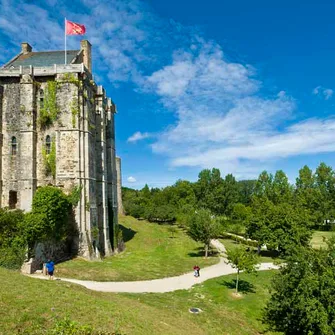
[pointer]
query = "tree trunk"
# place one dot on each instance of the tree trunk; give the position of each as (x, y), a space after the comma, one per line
(206, 250)
(238, 271)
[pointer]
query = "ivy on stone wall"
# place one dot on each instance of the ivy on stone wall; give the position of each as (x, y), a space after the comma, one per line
(50, 160)
(74, 110)
(49, 112)
(95, 233)
(75, 195)
(71, 78)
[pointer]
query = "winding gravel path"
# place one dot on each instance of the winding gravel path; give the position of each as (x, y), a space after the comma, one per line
(183, 282)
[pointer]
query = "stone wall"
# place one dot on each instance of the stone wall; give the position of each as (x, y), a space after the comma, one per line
(83, 134)
(119, 186)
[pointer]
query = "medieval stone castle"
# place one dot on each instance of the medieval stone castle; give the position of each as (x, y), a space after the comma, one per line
(57, 128)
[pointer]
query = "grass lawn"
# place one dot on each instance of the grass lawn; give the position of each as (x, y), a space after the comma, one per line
(150, 253)
(317, 239)
(27, 305)
(265, 256)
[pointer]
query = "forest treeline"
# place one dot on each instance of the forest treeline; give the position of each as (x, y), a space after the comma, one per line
(262, 209)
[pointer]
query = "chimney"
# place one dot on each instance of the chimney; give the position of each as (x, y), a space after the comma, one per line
(86, 46)
(26, 48)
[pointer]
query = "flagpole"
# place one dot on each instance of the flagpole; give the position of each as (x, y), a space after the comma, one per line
(65, 40)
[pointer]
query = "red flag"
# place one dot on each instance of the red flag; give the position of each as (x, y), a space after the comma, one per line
(72, 28)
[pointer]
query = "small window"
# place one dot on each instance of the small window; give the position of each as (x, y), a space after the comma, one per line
(48, 145)
(14, 146)
(12, 199)
(41, 98)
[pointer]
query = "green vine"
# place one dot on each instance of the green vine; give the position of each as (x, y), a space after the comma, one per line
(75, 194)
(71, 78)
(74, 110)
(87, 204)
(95, 232)
(49, 112)
(50, 160)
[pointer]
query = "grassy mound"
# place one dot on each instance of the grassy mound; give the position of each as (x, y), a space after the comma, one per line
(152, 252)
(32, 306)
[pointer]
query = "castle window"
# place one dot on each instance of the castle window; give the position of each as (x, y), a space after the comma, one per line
(48, 145)
(12, 199)
(41, 98)
(14, 146)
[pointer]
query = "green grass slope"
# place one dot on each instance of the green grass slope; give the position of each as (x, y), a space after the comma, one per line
(151, 253)
(28, 305)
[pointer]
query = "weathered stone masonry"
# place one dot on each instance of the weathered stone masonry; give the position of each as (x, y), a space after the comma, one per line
(80, 134)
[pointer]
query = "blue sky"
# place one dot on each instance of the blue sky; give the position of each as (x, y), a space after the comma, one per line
(242, 86)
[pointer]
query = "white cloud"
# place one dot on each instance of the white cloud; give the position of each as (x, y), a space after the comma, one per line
(326, 93)
(138, 136)
(223, 120)
(131, 179)
(222, 117)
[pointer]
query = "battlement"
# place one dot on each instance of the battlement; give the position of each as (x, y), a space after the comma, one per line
(44, 71)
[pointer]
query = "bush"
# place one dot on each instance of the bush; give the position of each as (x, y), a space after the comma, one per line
(13, 255)
(163, 213)
(12, 241)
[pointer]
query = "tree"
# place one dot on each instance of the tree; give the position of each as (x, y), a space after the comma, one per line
(203, 228)
(281, 227)
(302, 301)
(246, 189)
(209, 190)
(242, 260)
(230, 194)
(282, 191)
(49, 218)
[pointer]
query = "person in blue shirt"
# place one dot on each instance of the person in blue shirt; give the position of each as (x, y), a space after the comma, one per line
(50, 265)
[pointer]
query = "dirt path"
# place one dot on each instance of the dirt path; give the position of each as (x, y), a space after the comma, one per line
(183, 282)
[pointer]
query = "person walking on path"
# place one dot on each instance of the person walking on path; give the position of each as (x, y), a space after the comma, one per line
(196, 271)
(50, 265)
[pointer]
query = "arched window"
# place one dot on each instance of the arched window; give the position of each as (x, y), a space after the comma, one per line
(41, 98)
(48, 145)
(14, 146)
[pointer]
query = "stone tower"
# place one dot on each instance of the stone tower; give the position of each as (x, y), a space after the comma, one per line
(119, 186)
(57, 128)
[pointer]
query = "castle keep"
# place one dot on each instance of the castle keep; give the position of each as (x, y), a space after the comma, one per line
(57, 128)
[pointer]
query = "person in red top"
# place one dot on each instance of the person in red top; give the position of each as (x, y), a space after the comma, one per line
(196, 269)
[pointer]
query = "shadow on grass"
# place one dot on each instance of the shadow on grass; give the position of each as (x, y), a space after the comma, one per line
(243, 286)
(127, 233)
(200, 252)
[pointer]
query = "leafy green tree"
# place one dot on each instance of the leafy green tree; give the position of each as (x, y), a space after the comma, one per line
(302, 301)
(325, 182)
(183, 215)
(203, 228)
(242, 260)
(246, 189)
(263, 187)
(209, 190)
(9, 224)
(281, 227)
(230, 194)
(49, 218)
(12, 239)
(182, 193)
(163, 213)
(281, 191)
